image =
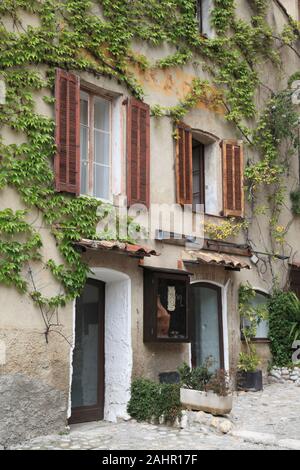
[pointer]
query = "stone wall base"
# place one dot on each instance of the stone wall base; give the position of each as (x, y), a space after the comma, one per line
(285, 374)
(29, 408)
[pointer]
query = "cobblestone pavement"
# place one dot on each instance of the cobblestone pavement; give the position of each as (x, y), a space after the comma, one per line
(276, 410)
(260, 421)
(136, 436)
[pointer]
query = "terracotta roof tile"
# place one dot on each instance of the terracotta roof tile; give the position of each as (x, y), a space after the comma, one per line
(214, 258)
(138, 251)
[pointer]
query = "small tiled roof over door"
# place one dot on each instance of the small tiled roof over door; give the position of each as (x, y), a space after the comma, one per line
(136, 251)
(216, 259)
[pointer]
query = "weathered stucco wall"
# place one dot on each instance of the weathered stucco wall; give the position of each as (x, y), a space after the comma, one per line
(34, 375)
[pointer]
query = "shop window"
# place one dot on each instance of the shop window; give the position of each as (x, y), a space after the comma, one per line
(166, 317)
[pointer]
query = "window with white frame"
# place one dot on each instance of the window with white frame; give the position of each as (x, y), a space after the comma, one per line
(207, 172)
(95, 145)
(260, 300)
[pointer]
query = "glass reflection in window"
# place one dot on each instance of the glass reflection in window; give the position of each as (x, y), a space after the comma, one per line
(171, 309)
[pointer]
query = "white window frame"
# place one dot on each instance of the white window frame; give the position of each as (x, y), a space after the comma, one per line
(213, 173)
(261, 338)
(90, 97)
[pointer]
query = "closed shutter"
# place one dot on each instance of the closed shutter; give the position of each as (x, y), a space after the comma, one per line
(184, 165)
(138, 153)
(233, 168)
(67, 161)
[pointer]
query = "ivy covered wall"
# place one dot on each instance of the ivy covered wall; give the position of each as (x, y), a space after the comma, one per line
(98, 38)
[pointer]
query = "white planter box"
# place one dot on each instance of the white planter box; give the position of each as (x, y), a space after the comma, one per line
(205, 401)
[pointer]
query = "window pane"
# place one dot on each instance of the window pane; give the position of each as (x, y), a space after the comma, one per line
(198, 174)
(84, 160)
(196, 200)
(171, 309)
(102, 114)
(84, 115)
(196, 183)
(85, 357)
(84, 189)
(263, 326)
(84, 143)
(101, 181)
(263, 329)
(102, 147)
(196, 160)
(207, 327)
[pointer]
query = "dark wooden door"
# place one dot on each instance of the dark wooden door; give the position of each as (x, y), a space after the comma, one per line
(88, 357)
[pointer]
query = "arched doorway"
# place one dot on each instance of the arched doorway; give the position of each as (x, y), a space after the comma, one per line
(208, 324)
(102, 353)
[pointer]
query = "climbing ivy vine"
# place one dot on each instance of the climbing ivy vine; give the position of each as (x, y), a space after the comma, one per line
(97, 37)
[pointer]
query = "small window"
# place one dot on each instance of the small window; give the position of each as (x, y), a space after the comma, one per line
(260, 300)
(203, 14)
(95, 146)
(206, 170)
(198, 174)
(199, 6)
(295, 280)
(166, 306)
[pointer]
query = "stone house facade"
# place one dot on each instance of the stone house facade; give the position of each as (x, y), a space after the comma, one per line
(111, 146)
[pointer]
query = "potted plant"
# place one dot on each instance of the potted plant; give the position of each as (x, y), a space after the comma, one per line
(249, 375)
(202, 390)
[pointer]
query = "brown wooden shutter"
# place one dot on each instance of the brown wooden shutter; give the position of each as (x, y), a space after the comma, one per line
(233, 169)
(184, 165)
(138, 152)
(67, 161)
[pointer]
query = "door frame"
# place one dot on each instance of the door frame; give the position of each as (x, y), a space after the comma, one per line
(84, 414)
(219, 290)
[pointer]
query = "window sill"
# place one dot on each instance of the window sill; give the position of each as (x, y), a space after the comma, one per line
(258, 340)
(104, 201)
(223, 217)
(168, 340)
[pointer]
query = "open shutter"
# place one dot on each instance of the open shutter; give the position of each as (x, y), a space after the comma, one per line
(233, 168)
(184, 165)
(67, 161)
(138, 153)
